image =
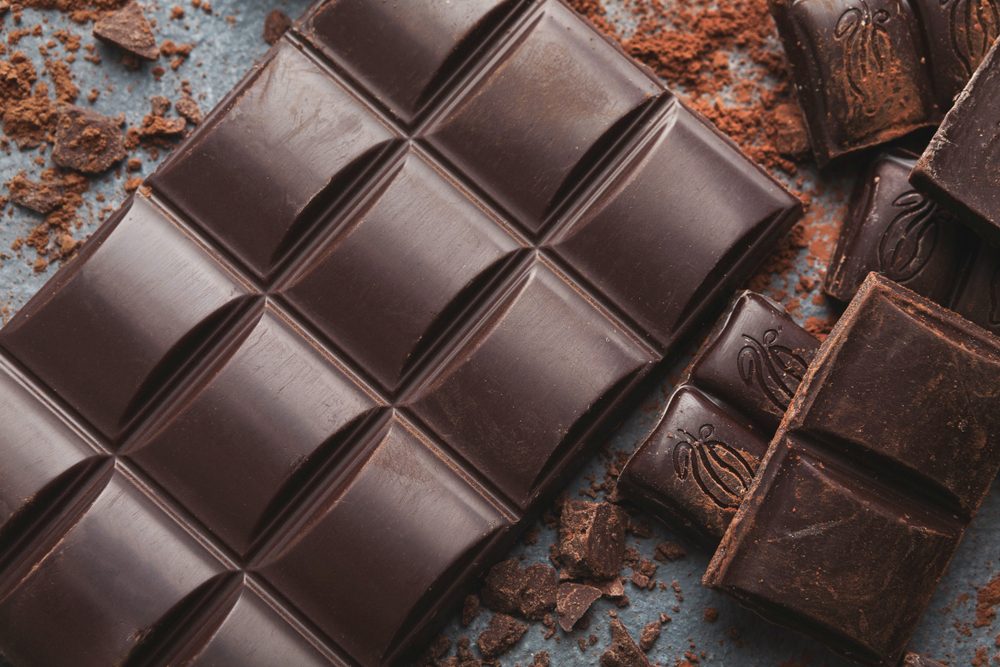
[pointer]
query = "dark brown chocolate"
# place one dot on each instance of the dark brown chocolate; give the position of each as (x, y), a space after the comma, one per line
(961, 167)
(886, 451)
(369, 317)
(868, 71)
(896, 230)
(694, 468)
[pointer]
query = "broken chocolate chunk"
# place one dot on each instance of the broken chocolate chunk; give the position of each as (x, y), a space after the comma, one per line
(39, 197)
(500, 635)
(592, 539)
(623, 652)
(538, 595)
(87, 141)
(503, 585)
(128, 29)
(276, 24)
(573, 601)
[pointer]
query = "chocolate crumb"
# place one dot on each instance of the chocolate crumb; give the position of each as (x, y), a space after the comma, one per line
(188, 108)
(592, 539)
(128, 29)
(650, 633)
(276, 24)
(470, 610)
(39, 197)
(573, 601)
(87, 141)
(540, 659)
(623, 651)
(669, 551)
(500, 635)
(711, 614)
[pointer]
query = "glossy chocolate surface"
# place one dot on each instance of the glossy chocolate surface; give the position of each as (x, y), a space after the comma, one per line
(887, 450)
(894, 229)
(961, 167)
(694, 468)
(868, 71)
(293, 398)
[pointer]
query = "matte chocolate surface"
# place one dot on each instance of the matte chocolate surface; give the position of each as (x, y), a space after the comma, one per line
(868, 71)
(961, 167)
(897, 231)
(699, 461)
(294, 398)
(887, 450)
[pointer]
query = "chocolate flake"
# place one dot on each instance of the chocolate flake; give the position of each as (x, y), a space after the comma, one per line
(128, 29)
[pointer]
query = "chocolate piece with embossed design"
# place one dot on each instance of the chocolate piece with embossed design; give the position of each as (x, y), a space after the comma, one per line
(858, 70)
(694, 468)
(886, 452)
(894, 229)
(868, 71)
(369, 317)
(961, 167)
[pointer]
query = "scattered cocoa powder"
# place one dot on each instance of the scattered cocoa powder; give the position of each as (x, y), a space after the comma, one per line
(987, 599)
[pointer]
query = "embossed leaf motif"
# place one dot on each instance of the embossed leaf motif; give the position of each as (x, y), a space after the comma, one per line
(909, 241)
(718, 469)
(775, 369)
(975, 25)
(867, 49)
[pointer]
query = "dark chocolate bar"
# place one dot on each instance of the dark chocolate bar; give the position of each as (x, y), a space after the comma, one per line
(694, 468)
(295, 396)
(887, 450)
(868, 71)
(896, 230)
(960, 166)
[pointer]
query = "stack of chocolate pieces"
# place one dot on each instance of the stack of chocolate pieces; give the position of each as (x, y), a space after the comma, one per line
(304, 388)
(892, 440)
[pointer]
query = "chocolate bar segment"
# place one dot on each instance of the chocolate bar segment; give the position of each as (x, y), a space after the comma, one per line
(960, 166)
(886, 452)
(958, 34)
(694, 468)
(899, 232)
(755, 360)
(859, 71)
(327, 363)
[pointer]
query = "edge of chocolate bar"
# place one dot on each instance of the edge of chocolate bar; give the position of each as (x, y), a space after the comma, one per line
(935, 171)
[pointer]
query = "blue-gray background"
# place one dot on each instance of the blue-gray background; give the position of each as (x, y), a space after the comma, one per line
(227, 42)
